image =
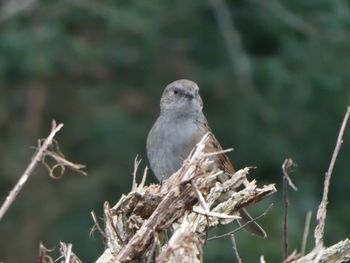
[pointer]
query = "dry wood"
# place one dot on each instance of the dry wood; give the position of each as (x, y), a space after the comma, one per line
(287, 164)
(338, 253)
(67, 253)
(322, 209)
(306, 232)
(136, 224)
(28, 172)
(41, 154)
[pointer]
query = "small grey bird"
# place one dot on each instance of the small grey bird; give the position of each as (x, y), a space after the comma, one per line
(179, 127)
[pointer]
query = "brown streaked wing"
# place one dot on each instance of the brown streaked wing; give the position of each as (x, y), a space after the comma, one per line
(221, 159)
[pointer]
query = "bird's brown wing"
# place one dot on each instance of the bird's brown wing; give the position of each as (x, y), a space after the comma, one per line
(221, 160)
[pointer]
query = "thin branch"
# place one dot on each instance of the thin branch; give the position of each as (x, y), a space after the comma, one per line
(339, 252)
(143, 180)
(217, 152)
(136, 166)
(61, 162)
(306, 232)
(235, 250)
(69, 251)
(242, 226)
(28, 172)
(200, 198)
(96, 226)
(43, 254)
(201, 211)
(287, 164)
(322, 209)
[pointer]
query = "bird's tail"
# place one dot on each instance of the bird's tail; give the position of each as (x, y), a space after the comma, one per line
(253, 227)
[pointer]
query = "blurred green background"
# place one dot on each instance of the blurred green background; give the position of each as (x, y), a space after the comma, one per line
(274, 77)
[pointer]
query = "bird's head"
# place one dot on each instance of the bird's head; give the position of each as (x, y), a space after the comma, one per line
(181, 97)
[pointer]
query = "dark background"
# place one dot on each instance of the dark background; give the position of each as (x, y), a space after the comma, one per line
(274, 77)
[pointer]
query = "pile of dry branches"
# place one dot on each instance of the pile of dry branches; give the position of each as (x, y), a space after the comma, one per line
(189, 202)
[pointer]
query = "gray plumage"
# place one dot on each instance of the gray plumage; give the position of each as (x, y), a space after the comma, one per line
(178, 128)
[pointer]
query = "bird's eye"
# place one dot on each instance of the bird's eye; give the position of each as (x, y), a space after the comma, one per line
(176, 91)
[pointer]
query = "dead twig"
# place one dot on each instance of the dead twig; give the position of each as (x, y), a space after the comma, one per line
(339, 252)
(96, 226)
(43, 254)
(322, 209)
(306, 232)
(60, 161)
(29, 170)
(67, 253)
(235, 250)
(134, 173)
(144, 176)
(185, 245)
(244, 225)
(287, 164)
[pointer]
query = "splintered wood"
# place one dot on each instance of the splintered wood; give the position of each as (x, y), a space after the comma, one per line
(189, 203)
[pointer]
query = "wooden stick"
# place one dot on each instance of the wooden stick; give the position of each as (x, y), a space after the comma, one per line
(287, 164)
(322, 209)
(235, 249)
(28, 172)
(306, 232)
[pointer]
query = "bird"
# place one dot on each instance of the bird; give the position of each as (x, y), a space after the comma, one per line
(180, 125)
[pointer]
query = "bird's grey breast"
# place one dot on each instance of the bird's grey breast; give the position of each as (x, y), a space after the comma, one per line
(170, 142)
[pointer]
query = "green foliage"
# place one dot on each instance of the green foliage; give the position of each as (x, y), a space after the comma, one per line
(100, 67)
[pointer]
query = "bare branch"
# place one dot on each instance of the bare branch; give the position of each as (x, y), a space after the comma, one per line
(136, 166)
(244, 225)
(322, 209)
(235, 250)
(306, 232)
(67, 253)
(201, 211)
(287, 164)
(144, 176)
(185, 245)
(96, 225)
(339, 252)
(29, 170)
(60, 161)
(200, 198)
(43, 254)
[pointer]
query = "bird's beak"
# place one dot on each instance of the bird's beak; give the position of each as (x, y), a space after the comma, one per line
(189, 94)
